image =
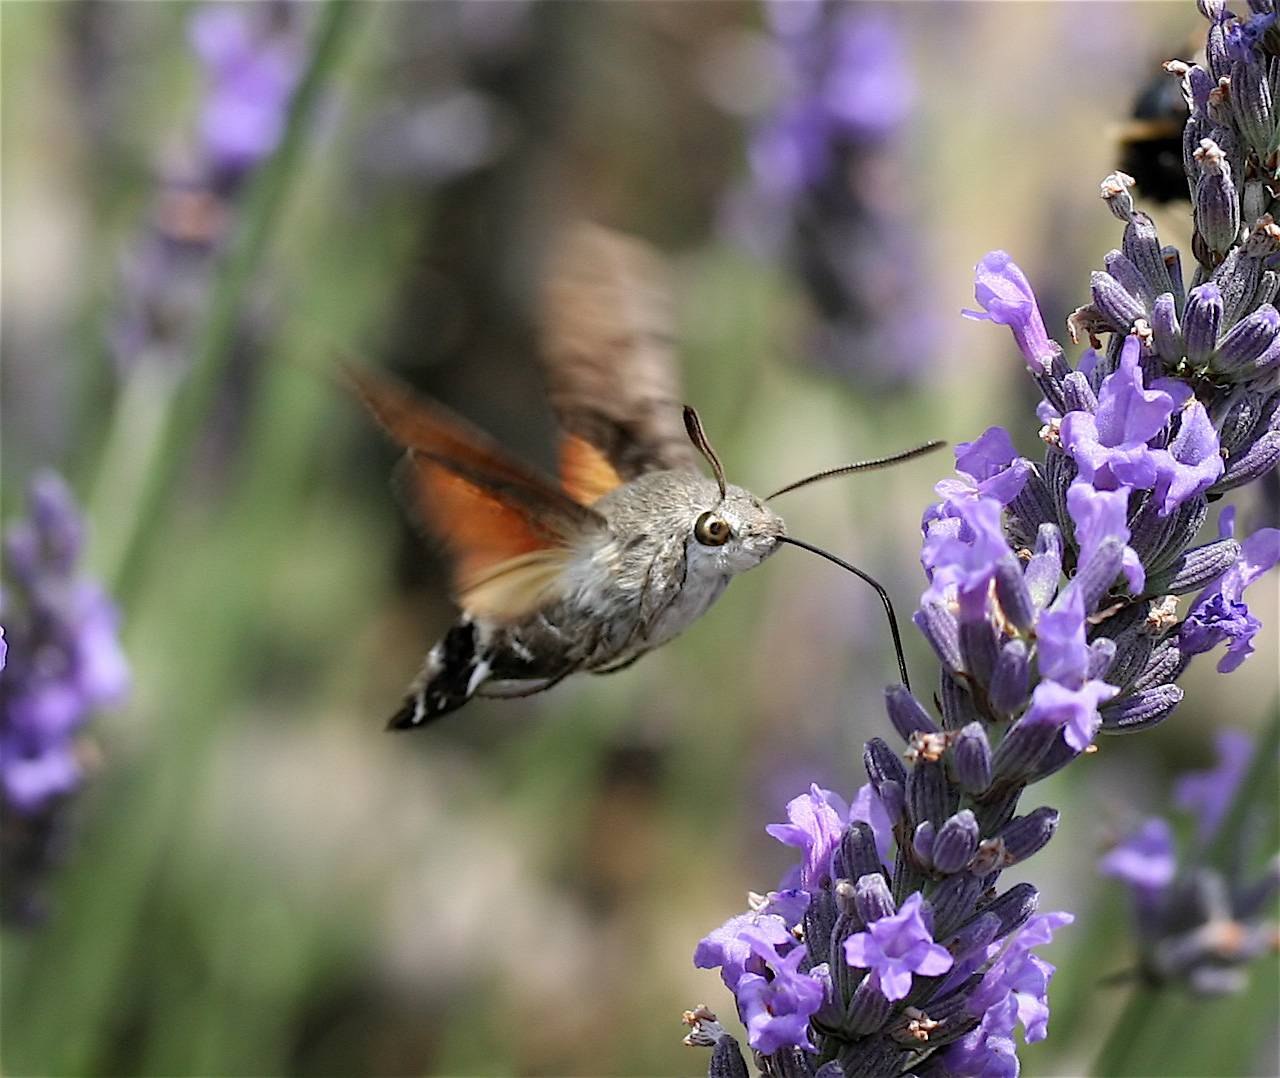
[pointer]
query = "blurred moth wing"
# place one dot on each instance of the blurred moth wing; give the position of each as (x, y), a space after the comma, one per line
(510, 532)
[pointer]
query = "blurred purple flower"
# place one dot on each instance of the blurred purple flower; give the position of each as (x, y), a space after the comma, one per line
(989, 1051)
(1145, 860)
(1018, 974)
(66, 661)
(1208, 794)
(1006, 298)
(252, 72)
(1220, 613)
(895, 947)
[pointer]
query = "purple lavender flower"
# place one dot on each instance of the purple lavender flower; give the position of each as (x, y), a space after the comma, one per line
(1197, 926)
(1191, 464)
(895, 947)
(988, 467)
(252, 74)
(66, 661)
(818, 818)
(965, 556)
(1220, 613)
(776, 1005)
(60, 662)
(1110, 447)
(1146, 860)
(1004, 293)
(989, 1051)
(1208, 794)
(728, 948)
(1099, 516)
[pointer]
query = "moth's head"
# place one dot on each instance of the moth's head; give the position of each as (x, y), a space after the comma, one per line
(731, 530)
(735, 532)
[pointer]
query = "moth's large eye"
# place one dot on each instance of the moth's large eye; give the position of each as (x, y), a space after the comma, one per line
(710, 530)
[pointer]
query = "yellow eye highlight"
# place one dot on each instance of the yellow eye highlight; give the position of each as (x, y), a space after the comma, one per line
(710, 530)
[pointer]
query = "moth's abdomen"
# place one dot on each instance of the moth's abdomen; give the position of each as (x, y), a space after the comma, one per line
(454, 669)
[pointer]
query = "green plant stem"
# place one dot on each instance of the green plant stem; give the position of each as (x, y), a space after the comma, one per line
(176, 436)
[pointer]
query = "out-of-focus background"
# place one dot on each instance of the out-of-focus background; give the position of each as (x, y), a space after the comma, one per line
(204, 206)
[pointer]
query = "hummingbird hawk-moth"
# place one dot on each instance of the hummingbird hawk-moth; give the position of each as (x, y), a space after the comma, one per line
(629, 547)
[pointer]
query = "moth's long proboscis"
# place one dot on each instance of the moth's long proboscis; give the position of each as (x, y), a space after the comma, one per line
(861, 466)
(884, 597)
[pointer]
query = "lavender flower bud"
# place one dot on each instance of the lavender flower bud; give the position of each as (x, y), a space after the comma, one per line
(1133, 650)
(958, 708)
(1141, 247)
(1102, 653)
(971, 759)
(1165, 664)
(1140, 710)
(1239, 419)
(1251, 103)
(956, 842)
(1115, 193)
(1173, 264)
(929, 795)
(1150, 530)
(1217, 204)
(1216, 52)
(978, 649)
(1013, 908)
(726, 1059)
(1008, 690)
(1078, 394)
(1016, 756)
(1058, 755)
(938, 626)
(952, 903)
(868, 1010)
(1188, 520)
(907, 713)
(1028, 834)
(1113, 304)
(1166, 333)
(1045, 567)
(856, 856)
(882, 764)
(1013, 595)
(1130, 277)
(1201, 322)
(1060, 472)
(1098, 574)
(1238, 277)
(894, 799)
(1255, 462)
(922, 844)
(1194, 569)
(1247, 340)
(1032, 507)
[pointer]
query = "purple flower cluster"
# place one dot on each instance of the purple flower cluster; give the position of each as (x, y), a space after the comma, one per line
(824, 163)
(62, 662)
(1194, 924)
(251, 56)
(872, 968)
(1052, 605)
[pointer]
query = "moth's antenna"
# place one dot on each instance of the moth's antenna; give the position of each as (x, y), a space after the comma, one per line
(861, 466)
(698, 437)
(884, 597)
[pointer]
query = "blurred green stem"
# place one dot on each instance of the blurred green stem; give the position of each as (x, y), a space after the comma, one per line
(138, 488)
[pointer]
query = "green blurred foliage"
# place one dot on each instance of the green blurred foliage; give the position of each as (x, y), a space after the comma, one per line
(262, 881)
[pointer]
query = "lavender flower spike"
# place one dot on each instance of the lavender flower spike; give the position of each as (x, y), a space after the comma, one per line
(1004, 293)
